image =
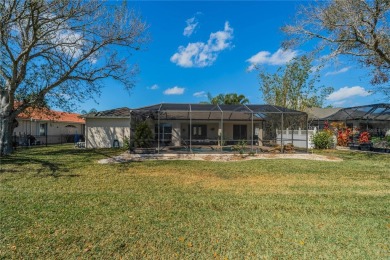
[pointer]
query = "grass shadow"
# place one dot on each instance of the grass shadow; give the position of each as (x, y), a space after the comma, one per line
(55, 168)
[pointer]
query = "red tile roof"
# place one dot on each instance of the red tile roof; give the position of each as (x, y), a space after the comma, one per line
(51, 115)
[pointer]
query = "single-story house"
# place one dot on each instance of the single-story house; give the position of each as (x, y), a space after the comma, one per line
(44, 126)
(191, 125)
(316, 115)
(373, 118)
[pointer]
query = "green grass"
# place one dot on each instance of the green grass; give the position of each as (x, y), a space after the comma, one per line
(58, 203)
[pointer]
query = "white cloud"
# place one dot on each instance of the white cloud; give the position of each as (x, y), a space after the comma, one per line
(280, 57)
(200, 94)
(192, 23)
(153, 87)
(347, 92)
(174, 91)
(200, 54)
(343, 70)
(339, 103)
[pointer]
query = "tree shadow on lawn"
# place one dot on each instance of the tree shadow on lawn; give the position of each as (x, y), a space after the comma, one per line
(86, 153)
(20, 164)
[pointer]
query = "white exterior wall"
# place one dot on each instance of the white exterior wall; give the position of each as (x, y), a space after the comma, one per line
(101, 132)
(28, 127)
(55, 130)
(176, 134)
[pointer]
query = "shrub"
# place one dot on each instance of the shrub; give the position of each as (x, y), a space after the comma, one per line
(364, 138)
(143, 135)
(127, 143)
(323, 140)
(343, 133)
(240, 146)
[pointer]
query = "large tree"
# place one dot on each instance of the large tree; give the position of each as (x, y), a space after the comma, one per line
(227, 99)
(358, 28)
(294, 86)
(58, 51)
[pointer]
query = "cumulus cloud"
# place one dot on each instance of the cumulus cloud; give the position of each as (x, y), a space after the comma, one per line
(174, 91)
(200, 94)
(69, 42)
(280, 57)
(201, 54)
(343, 70)
(347, 92)
(153, 87)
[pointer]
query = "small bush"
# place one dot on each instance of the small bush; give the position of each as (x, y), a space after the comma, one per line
(251, 153)
(143, 135)
(240, 146)
(323, 140)
(127, 143)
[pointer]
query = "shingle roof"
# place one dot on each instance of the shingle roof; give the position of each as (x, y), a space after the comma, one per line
(117, 113)
(319, 113)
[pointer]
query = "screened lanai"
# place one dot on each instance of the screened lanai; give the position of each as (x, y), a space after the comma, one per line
(373, 118)
(218, 128)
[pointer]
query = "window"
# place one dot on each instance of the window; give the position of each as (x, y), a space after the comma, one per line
(165, 132)
(199, 132)
(42, 129)
(239, 132)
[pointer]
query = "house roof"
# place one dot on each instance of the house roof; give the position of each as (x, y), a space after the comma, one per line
(255, 108)
(319, 113)
(51, 115)
(123, 112)
(380, 112)
(176, 111)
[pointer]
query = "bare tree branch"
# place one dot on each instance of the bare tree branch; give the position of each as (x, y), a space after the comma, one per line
(58, 51)
(359, 28)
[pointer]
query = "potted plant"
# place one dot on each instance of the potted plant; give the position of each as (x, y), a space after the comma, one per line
(364, 141)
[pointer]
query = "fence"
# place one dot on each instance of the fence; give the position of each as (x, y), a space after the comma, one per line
(296, 137)
(30, 140)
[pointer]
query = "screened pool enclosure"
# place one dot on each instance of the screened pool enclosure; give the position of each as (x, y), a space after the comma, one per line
(218, 128)
(374, 119)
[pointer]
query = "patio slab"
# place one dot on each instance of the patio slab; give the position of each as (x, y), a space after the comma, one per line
(126, 157)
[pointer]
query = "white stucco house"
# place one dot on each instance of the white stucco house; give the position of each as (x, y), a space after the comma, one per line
(193, 125)
(45, 126)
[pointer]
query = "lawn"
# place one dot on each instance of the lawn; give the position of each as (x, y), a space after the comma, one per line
(58, 203)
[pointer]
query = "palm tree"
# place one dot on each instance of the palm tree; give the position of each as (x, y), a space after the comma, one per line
(235, 99)
(227, 99)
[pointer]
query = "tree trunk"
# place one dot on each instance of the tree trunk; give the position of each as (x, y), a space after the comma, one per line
(6, 128)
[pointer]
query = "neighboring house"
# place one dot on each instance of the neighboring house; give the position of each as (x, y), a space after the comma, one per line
(43, 126)
(187, 125)
(374, 118)
(316, 115)
(103, 128)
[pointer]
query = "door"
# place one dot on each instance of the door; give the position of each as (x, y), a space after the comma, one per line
(239, 132)
(165, 134)
(199, 132)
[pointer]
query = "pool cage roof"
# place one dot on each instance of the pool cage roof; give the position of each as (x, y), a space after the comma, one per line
(171, 111)
(273, 117)
(378, 112)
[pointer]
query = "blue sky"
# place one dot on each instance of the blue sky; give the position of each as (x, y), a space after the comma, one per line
(200, 47)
